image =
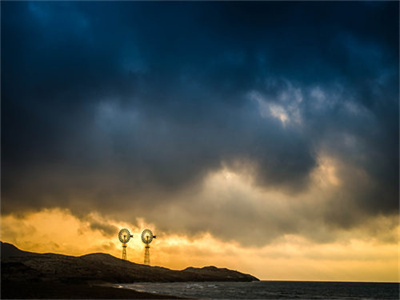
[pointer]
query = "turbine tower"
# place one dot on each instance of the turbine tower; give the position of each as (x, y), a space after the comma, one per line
(124, 236)
(147, 237)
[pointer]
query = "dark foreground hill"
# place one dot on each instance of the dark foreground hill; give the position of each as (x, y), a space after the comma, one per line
(17, 265)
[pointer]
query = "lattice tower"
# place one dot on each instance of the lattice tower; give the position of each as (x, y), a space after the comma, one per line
(124, 236)
(147, 255)
(124, 251)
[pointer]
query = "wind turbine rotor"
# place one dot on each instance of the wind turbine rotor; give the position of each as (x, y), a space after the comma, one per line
(124, 235)
(147, 236)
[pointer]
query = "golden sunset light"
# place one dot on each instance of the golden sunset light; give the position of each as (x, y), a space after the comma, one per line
(288, 258)
(204, 150)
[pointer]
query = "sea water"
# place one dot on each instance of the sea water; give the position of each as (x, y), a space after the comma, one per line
(272, 290)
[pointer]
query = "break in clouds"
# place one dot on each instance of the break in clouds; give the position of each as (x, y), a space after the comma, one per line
(245, 120)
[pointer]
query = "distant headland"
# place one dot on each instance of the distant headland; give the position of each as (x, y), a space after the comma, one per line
(21, 266)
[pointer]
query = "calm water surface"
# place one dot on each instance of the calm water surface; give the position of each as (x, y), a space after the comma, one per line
(272, 290)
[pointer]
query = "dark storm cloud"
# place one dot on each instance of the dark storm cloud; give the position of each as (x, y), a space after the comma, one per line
(105, 228)
(112, 107)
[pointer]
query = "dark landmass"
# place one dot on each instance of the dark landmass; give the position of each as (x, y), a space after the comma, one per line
(57, 290)
(75, 276)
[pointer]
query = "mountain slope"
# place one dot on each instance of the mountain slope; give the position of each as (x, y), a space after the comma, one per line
(22, 265)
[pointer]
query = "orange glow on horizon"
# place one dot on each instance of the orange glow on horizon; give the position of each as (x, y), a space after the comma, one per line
(291, 257)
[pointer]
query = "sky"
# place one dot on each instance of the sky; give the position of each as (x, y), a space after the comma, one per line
(259, 136)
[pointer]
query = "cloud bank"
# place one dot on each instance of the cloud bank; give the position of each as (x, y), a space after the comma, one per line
(245, 120)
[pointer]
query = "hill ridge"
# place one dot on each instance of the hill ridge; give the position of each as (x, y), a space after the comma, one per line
(100, 267)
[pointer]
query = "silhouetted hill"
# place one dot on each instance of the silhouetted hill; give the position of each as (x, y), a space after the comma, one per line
(9, 250)
(18, 265)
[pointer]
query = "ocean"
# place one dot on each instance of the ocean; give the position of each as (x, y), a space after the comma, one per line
(272, 290)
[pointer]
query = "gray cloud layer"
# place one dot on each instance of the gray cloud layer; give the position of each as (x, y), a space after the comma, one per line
(126, 108)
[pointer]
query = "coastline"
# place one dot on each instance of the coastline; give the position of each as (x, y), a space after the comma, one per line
(56, 290)
(28, 275)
